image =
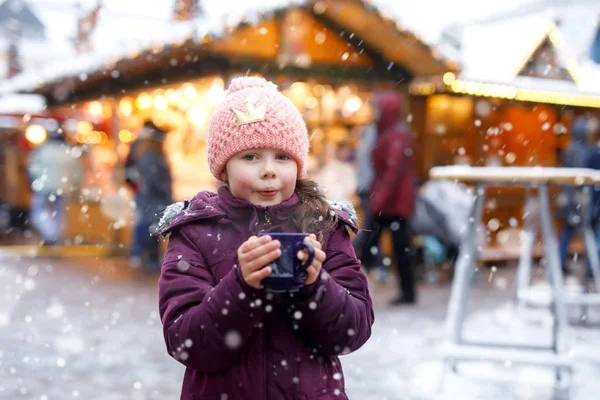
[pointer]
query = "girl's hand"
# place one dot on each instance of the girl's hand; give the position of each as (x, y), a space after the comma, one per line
(315, 268)
(254, 254)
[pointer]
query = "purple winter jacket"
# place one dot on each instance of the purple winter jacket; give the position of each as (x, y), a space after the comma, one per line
(238, 342)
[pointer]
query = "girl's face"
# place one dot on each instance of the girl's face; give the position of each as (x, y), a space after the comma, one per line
(264, 177)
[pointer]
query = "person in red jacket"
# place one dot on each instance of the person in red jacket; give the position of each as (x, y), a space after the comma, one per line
(392, 190)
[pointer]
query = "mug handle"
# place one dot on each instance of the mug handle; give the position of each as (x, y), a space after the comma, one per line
(311, 254)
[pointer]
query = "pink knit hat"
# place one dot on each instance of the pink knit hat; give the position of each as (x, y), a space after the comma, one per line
(254, 114)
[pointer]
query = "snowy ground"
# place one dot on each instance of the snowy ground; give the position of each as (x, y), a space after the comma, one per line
(88, 329)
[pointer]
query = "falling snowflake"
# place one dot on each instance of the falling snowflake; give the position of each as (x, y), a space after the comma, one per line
(4, 319)
(233, 339)
(493, 224)
(183, 266)
(56, 310)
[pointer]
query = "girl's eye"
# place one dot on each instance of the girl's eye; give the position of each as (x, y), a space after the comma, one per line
(283, 157)
(249, 157)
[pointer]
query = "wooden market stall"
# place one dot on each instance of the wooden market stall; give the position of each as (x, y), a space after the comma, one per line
(512, 105)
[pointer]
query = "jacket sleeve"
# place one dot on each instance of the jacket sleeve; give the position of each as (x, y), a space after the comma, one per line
(396, 166)
(205, 325)
(335, 314)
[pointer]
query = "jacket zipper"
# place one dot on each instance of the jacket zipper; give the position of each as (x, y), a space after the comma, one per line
(267, 220)
(266, 361)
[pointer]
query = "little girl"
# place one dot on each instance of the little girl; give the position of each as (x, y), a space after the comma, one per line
(237, 340)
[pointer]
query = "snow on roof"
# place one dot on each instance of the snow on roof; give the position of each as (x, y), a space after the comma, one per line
(552, 85)
(496, 51)
(22, 104)
(429, 18)
(118, 36)
(578, 25)
(35, 53)
(88, 63)
(589, 76)
(490, 51)
(60, 23)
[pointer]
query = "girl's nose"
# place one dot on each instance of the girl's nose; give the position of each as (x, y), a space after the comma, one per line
(268, 169)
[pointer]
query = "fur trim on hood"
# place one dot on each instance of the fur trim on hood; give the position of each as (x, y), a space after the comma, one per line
(346, 207)
(169, 214)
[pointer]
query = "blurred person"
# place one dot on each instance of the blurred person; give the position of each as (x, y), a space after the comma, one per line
(392, 200)
(570, 198)
(54, 172)
(236, 339)
(364, 179)
(131, 173)
(593, 162)
(150, 175)
(441, 217)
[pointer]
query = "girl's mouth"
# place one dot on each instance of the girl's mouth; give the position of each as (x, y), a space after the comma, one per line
(268, 193)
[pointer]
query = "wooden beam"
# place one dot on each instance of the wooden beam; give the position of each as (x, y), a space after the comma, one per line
(331, 72)
(384, 67)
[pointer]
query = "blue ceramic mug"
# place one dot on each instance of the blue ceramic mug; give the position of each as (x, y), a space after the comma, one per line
(288, 271)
